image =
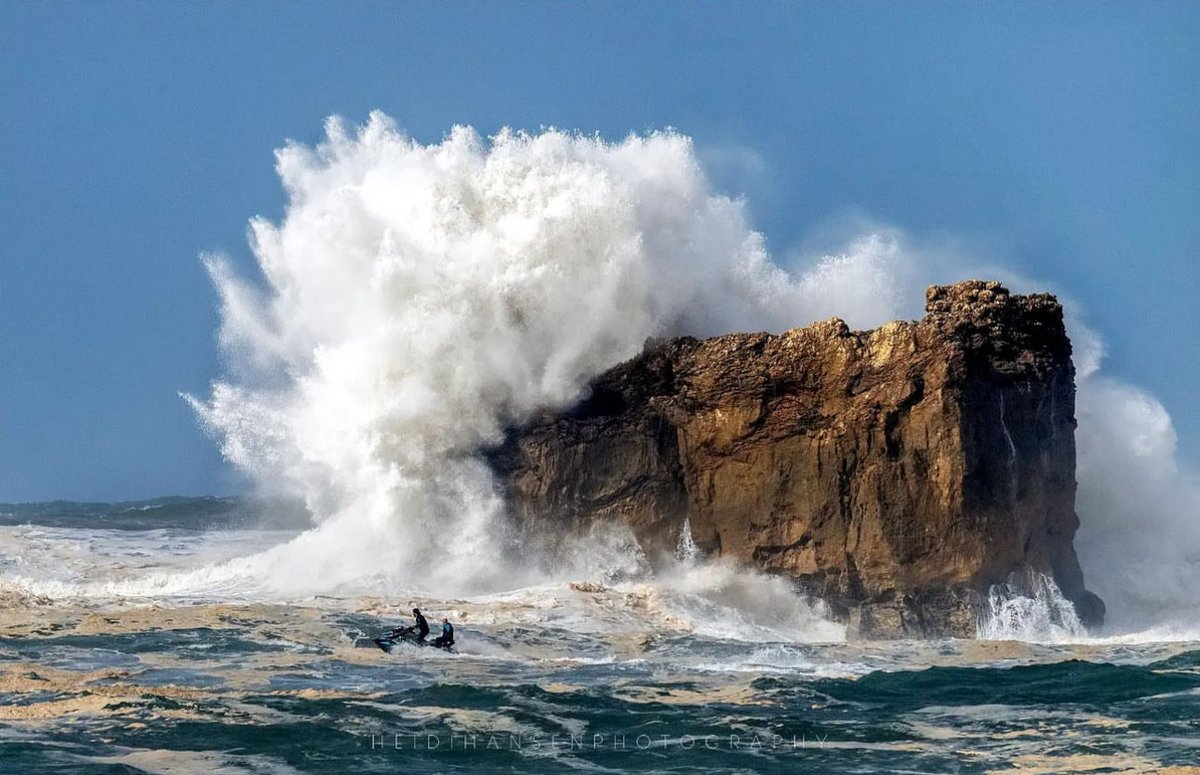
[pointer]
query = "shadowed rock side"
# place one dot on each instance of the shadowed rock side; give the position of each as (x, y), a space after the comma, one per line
(895, 473)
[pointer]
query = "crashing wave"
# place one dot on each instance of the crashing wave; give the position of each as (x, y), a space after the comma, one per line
(1029, 607)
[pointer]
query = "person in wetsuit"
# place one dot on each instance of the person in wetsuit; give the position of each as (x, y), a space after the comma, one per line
(422, 625)
(446, 639)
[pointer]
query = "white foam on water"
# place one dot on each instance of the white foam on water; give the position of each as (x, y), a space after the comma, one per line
(712, 599)
(168, 762)
(720, 600)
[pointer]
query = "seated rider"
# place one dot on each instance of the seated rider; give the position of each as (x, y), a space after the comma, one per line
(422, 625)
(447, 636)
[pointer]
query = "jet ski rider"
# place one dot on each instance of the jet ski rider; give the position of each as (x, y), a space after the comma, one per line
(422, 625)
(446, 639)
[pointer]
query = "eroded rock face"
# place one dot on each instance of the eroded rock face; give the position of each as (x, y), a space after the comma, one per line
(895, 473)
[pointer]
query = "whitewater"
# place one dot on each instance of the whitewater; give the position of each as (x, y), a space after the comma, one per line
(414, 301)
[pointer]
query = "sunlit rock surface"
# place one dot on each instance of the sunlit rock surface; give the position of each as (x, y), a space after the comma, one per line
(895, 473)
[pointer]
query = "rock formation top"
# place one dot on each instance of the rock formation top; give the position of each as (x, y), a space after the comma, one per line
(1003, 326)
(896, 473)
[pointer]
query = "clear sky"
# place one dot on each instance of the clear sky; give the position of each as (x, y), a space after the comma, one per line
(134, 136)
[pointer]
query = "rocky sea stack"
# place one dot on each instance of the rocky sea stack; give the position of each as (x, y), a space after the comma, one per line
(896, 473)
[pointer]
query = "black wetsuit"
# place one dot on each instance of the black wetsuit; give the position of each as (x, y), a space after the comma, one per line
(422, 626)
(447, 636)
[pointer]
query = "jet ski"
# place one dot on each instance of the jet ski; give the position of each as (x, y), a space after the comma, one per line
(407, 635)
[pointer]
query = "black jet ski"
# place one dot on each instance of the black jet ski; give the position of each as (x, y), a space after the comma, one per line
(407, 635)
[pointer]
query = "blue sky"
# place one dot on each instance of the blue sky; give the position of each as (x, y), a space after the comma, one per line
(1065, 137)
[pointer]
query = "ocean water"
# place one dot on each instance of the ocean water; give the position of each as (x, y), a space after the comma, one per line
(127, 644)
(413, 302)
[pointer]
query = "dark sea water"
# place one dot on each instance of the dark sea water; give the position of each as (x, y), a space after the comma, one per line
(125, 648)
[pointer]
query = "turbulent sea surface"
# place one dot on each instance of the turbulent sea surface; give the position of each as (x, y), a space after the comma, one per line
(123, 650)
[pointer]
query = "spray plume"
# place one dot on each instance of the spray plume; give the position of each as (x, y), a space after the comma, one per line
(416, 299)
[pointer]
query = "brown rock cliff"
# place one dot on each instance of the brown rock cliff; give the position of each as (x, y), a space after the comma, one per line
(895, 473)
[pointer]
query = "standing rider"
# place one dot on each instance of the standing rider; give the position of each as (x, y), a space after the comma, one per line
(422, 625)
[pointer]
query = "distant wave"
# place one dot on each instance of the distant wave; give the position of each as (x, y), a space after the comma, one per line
(189, 513)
